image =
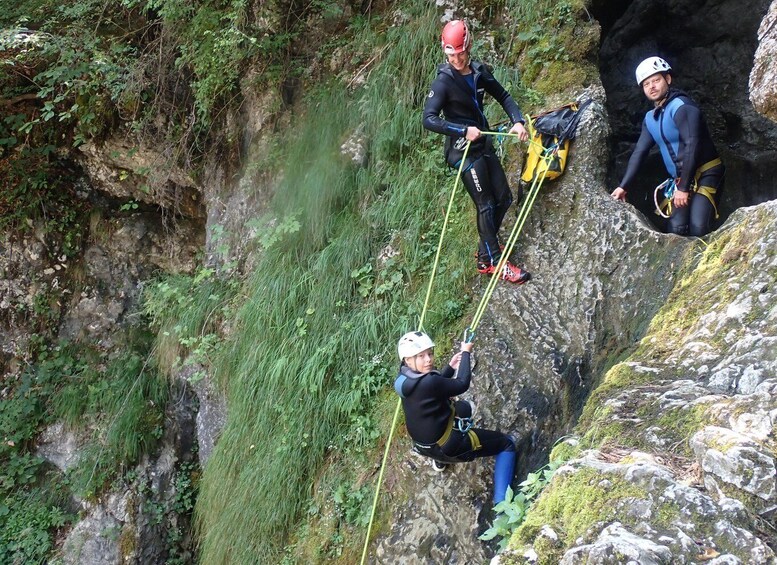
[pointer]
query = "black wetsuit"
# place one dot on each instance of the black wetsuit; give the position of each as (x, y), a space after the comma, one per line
(430, 415)
(679, 130)
(459, 98)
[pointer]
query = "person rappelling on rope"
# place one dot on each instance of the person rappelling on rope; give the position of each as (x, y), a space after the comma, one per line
(457, 94)
(690, 196)
(441, 427)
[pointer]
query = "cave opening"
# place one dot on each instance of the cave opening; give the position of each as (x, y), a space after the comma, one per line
(710, 45)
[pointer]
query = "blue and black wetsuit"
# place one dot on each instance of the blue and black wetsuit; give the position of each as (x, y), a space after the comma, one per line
(678, 128)
(432, 420)
(455, 102)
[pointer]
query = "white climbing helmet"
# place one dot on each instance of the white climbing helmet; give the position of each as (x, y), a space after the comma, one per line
(413, 343)
(651, 66)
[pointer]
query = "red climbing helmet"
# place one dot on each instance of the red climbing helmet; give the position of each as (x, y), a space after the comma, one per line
(455, 37)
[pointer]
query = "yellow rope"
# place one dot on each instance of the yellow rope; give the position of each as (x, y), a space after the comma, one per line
(420, 326)
(531, 196)
(522, 215)
(442, 236)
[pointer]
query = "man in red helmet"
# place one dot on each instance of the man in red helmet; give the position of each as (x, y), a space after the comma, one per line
(454, 108)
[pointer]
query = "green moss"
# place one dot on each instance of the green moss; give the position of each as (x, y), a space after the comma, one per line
(666, 516)
(573, 504)
(751, 501)
(701, 290)
(127, 542)
(678, 425)
(620, 377)
(565, 451)
(560, 76)
(549, 551)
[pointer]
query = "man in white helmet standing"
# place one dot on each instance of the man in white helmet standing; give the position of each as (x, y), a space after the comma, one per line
(441, 428)
(677, 126)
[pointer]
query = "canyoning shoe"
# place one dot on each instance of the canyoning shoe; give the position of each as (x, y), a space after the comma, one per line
(510, 272)
(437, 466)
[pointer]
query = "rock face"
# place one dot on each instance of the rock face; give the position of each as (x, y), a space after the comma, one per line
(26, 271)
(123, 252)
(599, 273)
(120, 168)
(698, 390)
(763, 77)
(678, 538)
(138, 523)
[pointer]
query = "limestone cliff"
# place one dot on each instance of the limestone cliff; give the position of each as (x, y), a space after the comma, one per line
(651, 358)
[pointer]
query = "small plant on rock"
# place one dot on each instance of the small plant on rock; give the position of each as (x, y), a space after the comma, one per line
(511, 512)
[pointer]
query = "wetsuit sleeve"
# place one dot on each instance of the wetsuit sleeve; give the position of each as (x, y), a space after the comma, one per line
(433, 108)
(644, 143)
(498, 92)
(450, 385)
(688, 122)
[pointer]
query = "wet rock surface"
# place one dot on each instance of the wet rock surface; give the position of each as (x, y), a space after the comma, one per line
(763, 77)
(698, 391)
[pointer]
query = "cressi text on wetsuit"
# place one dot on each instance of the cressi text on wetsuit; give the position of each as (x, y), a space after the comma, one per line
(455, 102)
(678, 128)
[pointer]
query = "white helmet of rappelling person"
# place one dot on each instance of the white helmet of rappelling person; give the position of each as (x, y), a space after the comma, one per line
(413, 343)
(649, 67)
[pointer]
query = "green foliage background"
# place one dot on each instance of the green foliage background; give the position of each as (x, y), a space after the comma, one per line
(341, 262)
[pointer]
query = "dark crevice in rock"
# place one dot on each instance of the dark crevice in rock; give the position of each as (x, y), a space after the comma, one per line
(710, 45)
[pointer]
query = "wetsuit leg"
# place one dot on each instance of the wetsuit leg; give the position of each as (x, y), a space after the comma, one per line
(696, 218)
(491, 443)
(702, 211)
(500, 187)
(700, 215)
(491, 207)
(678, 221)
(504, 469)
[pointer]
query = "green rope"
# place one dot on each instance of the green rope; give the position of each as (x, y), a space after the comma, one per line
(380, 479)
(523, 214)
(420, 326)
(531, 196)
(442, 237)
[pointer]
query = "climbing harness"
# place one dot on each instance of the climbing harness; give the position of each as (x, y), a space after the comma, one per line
(464, 425)
(667, 189)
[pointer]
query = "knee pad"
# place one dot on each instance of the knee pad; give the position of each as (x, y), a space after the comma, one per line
(678, 230)
(486, 207)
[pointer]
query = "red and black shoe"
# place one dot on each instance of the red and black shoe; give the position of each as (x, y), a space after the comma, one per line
(510, 272)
